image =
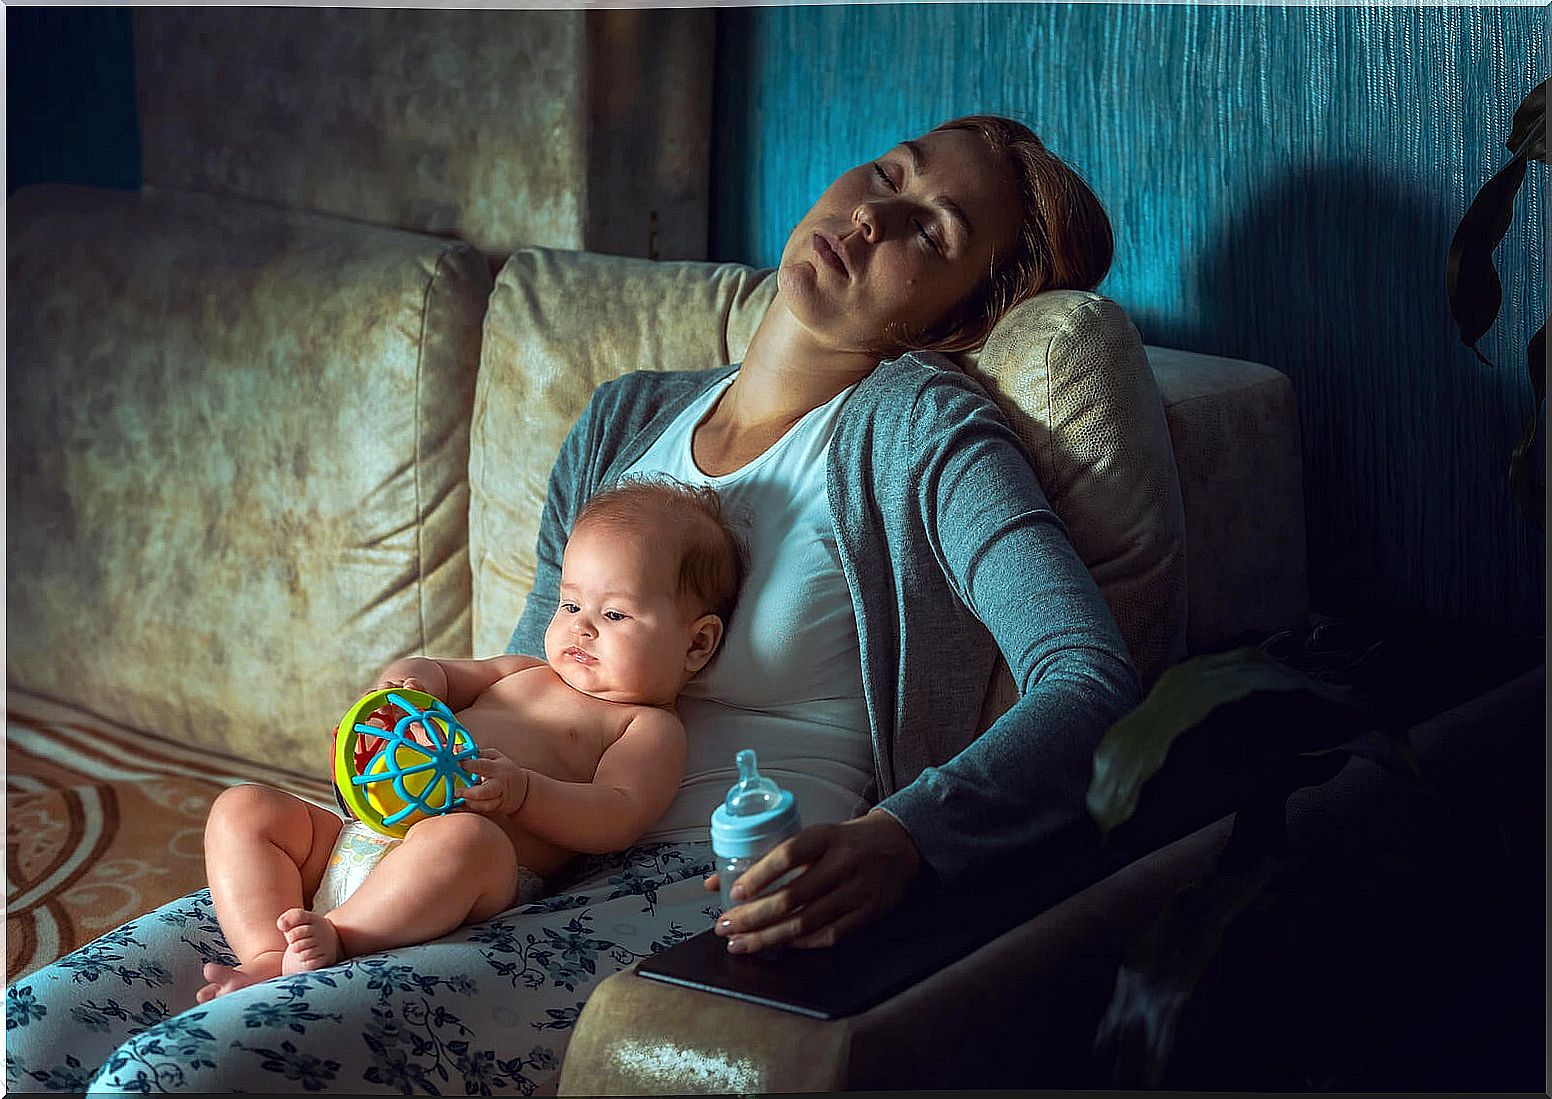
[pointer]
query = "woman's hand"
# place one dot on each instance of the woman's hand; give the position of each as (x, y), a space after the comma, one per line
(852, 874)
(503, 784)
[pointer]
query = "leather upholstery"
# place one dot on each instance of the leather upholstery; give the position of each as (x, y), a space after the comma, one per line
(237, 450)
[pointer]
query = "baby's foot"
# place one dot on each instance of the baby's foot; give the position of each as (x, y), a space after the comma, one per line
(227, 978)
(311, 941)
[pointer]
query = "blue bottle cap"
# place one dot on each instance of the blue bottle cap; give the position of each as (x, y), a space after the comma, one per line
(756, 815)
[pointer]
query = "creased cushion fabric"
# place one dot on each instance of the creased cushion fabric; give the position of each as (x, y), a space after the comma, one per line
(559, 325)
(238, 444)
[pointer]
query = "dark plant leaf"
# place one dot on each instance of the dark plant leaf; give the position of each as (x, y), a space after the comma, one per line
(1530, 125)
(1529, 495)
(1470, 279)
(1390, 750)
(1536, 363)
(1161, 969)
(1134, 748)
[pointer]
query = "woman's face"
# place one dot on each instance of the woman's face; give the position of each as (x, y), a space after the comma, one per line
(894, 244)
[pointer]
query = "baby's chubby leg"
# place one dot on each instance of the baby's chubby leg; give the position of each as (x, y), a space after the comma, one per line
(265, 853)
(449, 871)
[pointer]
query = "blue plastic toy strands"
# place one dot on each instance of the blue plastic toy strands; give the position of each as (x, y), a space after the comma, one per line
(450, 744)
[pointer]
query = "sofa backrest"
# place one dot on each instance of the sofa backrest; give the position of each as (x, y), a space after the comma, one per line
(1070, 367)
(238, 450)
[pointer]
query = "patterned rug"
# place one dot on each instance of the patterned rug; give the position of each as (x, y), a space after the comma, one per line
(103, 823)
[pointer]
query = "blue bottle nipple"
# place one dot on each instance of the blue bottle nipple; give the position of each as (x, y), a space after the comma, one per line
(753, 792)
(755, 815)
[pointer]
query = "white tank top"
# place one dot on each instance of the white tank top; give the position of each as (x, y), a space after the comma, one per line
(788, 679)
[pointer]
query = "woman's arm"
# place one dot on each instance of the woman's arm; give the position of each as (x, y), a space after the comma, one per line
(1017, 790)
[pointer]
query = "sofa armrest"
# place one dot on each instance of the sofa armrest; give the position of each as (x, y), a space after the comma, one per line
(953, 1029)
(1023, 1010)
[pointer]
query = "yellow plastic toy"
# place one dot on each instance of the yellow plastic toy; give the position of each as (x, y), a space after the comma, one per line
(403, 780)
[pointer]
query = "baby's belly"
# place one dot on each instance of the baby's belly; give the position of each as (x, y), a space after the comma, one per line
(556, 754)
(563, 753)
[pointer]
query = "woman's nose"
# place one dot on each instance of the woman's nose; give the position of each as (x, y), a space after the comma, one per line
(866, 218)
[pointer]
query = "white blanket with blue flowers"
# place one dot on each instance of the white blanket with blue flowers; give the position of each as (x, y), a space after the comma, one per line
(487, 1010)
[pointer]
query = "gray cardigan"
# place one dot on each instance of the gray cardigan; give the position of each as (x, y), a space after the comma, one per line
(951, 553)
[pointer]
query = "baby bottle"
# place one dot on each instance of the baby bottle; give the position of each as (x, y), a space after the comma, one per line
(755, 817)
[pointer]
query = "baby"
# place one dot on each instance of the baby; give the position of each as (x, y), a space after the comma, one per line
(580, 752)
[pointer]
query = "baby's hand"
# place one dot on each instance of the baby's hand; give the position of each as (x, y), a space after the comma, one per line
(503, 784)
(386, 715)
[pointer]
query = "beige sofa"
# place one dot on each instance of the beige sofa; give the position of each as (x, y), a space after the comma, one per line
(255, 454)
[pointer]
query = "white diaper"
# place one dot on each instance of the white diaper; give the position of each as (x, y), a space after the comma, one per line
(358, 849)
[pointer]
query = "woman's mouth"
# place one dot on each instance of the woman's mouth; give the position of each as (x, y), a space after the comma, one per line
(827, 252)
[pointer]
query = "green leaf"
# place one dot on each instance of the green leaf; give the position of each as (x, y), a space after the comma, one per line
(1134, 748)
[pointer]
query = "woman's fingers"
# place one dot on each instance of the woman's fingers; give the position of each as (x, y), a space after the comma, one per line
(807, 847)
(852, 873)
(812, 923)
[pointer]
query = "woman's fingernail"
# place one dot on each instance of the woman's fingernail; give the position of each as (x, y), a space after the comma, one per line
(737, 892)
(737, 946)
(724, 926)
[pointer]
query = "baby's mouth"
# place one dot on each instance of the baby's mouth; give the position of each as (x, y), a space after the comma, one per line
(581, 656)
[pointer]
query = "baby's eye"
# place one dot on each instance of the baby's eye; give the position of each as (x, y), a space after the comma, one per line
(570, 608)
(883, 175)
(615, 616)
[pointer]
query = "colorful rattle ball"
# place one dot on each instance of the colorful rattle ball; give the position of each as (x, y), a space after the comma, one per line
(403, 780)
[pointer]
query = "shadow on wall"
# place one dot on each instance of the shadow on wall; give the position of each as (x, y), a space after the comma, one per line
(1335, 276)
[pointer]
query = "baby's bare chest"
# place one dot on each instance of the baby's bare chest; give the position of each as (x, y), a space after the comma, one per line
(545, 726)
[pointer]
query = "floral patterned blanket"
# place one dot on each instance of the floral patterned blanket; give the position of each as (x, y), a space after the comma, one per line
(105, 825)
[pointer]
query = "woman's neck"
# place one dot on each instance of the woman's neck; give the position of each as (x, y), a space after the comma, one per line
(785, 374)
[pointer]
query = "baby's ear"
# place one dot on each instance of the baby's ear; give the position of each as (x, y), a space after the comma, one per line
(705, 636)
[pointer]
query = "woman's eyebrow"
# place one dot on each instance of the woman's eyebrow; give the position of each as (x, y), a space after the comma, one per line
(918, 157)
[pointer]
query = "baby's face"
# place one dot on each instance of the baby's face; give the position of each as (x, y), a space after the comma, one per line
(620, 632)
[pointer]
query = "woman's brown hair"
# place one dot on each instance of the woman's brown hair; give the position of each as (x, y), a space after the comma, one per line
(1063, 243)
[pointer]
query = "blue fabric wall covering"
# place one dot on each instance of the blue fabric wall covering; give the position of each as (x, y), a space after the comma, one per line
(1283, 182)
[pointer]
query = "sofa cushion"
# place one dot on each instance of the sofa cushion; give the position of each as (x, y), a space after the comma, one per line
(559, 325)
(237, 458)
(1068, 368)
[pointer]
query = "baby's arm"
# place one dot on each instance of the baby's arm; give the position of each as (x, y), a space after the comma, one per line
(634, 784)
(456, 682)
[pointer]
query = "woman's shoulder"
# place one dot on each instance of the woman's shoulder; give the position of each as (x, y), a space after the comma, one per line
(927, 391)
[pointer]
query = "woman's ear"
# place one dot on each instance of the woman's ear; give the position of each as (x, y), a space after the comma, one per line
(705, 636)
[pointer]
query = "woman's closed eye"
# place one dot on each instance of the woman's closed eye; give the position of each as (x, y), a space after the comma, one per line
(921, 229)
